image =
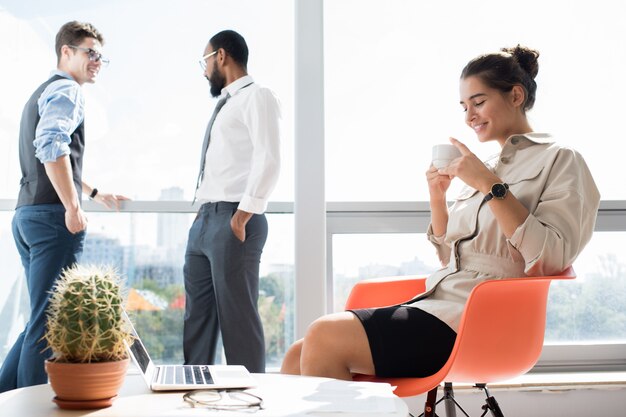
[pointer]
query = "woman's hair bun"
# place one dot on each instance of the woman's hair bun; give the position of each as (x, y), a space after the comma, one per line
(507, 68)
(526, 57)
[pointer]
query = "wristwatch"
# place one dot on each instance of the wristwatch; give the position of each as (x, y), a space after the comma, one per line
(499, 190)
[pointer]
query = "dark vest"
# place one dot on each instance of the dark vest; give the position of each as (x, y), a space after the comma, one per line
(35, 186)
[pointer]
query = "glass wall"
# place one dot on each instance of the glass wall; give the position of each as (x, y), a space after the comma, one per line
(13, 295)
(147, 112)
(373, 255)
(391, 92)
(148, 251)
(590, 309)
(392, 75)
(145, 122)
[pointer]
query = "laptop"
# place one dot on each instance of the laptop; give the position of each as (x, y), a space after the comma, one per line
(186, 377)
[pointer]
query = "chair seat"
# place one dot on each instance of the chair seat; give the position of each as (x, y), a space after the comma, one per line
(500, 333)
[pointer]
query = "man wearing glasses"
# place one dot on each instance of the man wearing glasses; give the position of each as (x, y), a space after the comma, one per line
(49, 223)
(239, 168)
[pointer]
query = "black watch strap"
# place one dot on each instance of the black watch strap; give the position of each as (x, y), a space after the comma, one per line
(94, 193)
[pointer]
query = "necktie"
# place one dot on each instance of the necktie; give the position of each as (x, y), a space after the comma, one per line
(207, 139)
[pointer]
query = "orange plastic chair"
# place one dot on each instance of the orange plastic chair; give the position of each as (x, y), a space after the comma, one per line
(500, 334)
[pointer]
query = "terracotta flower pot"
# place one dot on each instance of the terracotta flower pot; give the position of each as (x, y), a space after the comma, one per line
(86, 385)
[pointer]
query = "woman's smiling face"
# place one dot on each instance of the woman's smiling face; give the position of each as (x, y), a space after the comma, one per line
(492, 114)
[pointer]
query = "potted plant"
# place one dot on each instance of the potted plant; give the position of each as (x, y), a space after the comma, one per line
(87, 333)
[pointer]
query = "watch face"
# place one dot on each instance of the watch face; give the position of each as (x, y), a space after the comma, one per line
(499, 190)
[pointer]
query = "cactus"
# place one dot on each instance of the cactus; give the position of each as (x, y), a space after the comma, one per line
(85, 316)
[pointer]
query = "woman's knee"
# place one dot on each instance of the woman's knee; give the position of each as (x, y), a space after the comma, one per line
(291, 362)
(334, 345)
(319, 330)
(328, 332)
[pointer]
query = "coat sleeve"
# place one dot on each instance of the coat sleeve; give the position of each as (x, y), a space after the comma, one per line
(441, 246)
(555, 233)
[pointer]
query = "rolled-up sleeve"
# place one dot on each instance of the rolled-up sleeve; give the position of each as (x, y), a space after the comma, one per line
(264, 126)
(61, 111)
(554, 234)
(440, 244)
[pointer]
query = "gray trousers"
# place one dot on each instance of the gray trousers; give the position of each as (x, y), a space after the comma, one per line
(222, 289)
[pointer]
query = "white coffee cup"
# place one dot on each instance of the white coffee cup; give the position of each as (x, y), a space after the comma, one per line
(444, 154)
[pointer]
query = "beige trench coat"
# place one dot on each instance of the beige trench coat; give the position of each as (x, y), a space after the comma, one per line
(554, 183)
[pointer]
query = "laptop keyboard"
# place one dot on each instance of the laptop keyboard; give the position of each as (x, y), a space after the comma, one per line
(185, 374)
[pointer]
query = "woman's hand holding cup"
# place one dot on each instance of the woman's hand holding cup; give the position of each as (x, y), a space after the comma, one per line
(469, 168)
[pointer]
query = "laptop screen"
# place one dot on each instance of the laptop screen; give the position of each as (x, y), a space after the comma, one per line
(140, 354)
(137, 349)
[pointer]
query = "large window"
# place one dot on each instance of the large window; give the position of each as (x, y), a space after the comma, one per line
(391, 92)
(145, 122)
(590, 309)
(392, 70)
(148, 251)
(147, 112)
(13, 296)
(373, 255)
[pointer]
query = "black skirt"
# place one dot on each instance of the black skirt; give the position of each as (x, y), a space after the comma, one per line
(406, 341)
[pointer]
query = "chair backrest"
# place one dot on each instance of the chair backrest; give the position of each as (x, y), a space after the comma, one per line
(500, 334)
(502, 329)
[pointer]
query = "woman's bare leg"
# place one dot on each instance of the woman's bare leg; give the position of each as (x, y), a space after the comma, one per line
(336, 346)
(291, 363)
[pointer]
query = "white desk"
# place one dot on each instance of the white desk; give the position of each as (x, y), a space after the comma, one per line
(283, 395)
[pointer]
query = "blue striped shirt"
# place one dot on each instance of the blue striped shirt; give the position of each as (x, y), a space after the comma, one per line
(61, 111)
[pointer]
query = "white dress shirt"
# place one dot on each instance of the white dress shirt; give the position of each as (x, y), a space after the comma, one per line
(243, 157)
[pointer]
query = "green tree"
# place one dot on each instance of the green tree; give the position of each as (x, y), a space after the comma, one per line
(161, 331)
(589, 308)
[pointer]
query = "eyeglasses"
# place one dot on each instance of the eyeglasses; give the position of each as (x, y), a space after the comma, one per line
(202, 62)
(93, 55)
(224, 400)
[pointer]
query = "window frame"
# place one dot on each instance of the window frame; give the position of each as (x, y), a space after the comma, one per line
(414, 217)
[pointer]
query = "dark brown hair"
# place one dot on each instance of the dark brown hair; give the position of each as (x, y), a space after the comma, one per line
(505, 69)
(73, 33)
